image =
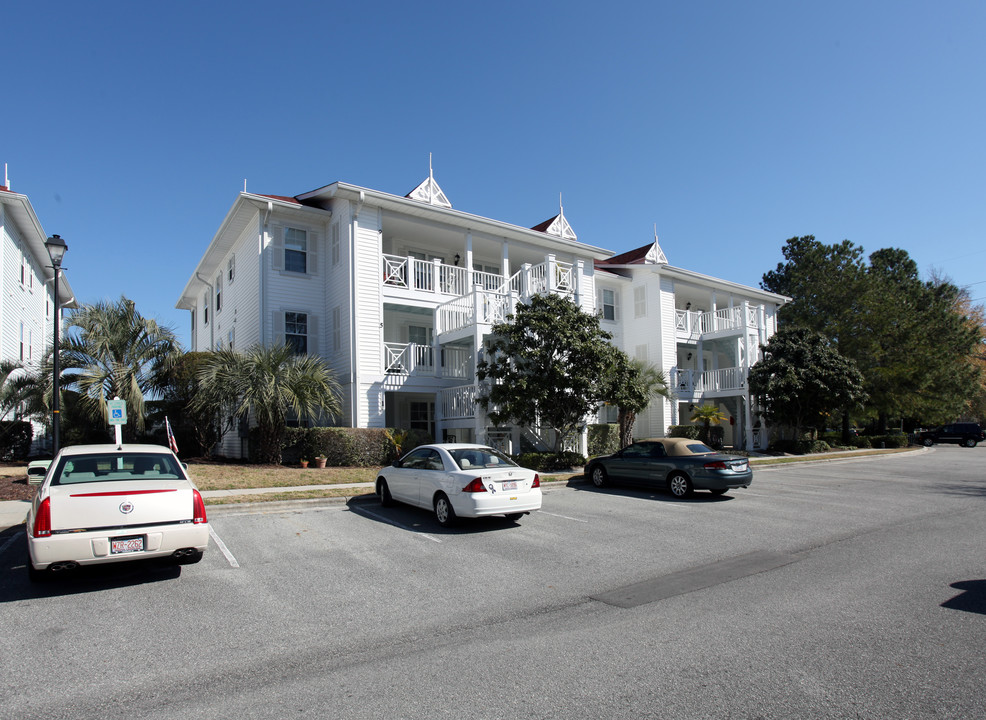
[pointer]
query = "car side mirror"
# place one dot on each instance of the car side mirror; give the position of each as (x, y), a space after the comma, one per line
(398, 463)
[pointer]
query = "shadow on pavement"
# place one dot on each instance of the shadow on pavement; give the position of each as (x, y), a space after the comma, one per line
(971, 599)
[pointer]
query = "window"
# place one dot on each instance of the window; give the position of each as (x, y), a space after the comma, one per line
(205, 309)
(608, 302)
(296, 332)
(219, 292)
(295, 250)
(335, 244)
(641, 353)
(231, 270)
(640, 301)
(231, 337)
(22, 342)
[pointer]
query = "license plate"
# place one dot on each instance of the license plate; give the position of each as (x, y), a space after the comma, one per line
(740, 466)
(127, 545)
(509, 486)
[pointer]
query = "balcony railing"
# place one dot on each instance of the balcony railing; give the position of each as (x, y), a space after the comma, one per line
(415, 359)
(430, 276)
(691, 323)
(687, 382)
(457, 403)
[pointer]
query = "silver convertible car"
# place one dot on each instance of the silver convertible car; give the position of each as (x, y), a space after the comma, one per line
(679, 465)
(108, 503)
(460, 480)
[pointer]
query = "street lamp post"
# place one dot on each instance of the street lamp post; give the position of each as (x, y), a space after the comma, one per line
(56, 251)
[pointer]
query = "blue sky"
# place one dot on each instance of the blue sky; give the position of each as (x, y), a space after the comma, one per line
(732, 126)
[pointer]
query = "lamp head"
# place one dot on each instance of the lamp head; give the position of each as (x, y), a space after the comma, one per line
(56, 249)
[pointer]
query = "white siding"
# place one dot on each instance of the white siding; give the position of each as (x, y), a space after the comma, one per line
(368, 317)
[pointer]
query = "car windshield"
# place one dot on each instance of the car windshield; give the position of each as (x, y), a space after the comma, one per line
(467, 458)
(116, 466)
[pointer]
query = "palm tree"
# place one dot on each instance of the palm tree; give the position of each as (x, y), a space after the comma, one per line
(707, 414)
(111, 350)
(631, 386)
(265, 383)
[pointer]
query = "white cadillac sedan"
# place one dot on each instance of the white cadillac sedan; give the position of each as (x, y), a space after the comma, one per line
(460, 480)
(108, 503)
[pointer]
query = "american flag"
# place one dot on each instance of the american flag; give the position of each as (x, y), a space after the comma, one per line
(171, 436)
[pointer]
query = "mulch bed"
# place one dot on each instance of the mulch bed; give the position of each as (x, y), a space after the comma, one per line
(16, 489)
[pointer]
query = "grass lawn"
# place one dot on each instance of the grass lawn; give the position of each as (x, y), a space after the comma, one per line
(228, 476)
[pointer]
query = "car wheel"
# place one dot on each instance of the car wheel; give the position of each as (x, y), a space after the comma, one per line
(718, 491)
(514, 517)
(386, 499)
(598, 476)
(444, 513)
(928, 442)
(679, 485)
(969, 442)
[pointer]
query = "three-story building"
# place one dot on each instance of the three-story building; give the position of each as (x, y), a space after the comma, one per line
(398, 293)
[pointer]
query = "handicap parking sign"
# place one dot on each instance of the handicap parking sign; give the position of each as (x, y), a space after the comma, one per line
(117, 411)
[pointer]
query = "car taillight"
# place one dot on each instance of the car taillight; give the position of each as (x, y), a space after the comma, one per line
(719, 465)
(475, 485)
(42, 521)
(198, 508)
(537, 481)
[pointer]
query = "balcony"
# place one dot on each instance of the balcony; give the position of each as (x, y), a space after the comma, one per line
(412, 359)
(457, 403)
(692, 383)
(433, 276)
(690, 325)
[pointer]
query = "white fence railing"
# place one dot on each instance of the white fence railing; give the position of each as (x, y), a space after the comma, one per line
(424, 275)
(690, 322)
(457, 403)
(692, 381)
(415, 359)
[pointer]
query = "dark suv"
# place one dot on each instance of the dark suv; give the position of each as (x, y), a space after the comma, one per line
(966, 433)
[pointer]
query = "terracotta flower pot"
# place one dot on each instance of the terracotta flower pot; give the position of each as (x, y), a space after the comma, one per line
(304, 463)
(320, 462)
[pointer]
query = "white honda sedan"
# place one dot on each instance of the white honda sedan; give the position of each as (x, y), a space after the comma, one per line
(460, 480)
(108, 503)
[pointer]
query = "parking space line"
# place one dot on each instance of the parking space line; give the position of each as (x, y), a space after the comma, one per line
(564, 517)
(10, 541)
(387, 520)
(222, 546)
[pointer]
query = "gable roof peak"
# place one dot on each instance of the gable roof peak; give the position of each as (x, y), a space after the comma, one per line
(558, 225)
(429, 191)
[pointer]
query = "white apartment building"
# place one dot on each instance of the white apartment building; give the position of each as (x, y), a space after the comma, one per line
(27, 305)
(397, 294)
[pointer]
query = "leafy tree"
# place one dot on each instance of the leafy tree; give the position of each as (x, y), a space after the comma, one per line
(265, 383)
(201, 426)
(910, 339)
(632, 385)
(110, 350)
(802, 378)
(545, 366)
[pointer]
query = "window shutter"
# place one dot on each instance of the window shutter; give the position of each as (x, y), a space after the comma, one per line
(314, 240)
(278, 322)
(277, 250)
(313, 346)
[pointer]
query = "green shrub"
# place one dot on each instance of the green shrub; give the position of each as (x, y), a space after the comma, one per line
(15, 439)
(862, 442)
(604, 439)
(549, 462)
(894, 440)
(805, 446)
(341, 447)
(691, 432)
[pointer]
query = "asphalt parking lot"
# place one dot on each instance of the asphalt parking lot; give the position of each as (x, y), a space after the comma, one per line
(826, 590)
